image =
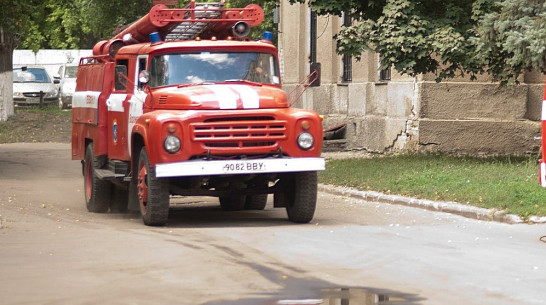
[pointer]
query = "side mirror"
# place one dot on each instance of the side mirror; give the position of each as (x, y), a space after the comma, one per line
(314, 77)
(56, 81)
(143, 77)
(120, 78)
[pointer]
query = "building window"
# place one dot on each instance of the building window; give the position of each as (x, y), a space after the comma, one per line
(385, 74)
(347, 68)
(347, 75)
(313, 42)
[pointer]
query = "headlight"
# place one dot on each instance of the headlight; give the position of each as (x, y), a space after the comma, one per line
(18, 94)
(52, 93)
(171, 144)
(305, 140)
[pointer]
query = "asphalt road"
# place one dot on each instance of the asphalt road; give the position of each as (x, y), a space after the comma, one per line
(52, 251)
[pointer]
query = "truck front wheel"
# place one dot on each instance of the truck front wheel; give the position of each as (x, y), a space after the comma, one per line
(153, 193)
(97, 192)
(302, 199)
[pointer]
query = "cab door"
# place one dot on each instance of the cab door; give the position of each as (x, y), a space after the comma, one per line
(117, 114)
(135, 104)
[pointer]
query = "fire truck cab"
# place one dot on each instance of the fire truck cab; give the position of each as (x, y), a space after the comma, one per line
(181, 103)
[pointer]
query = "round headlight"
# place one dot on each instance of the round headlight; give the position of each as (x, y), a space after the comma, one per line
(305, 140)
(171, 144)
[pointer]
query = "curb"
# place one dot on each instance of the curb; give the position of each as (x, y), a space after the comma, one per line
(438, 206)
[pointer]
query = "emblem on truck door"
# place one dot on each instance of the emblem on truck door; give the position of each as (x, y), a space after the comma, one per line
(115, 130)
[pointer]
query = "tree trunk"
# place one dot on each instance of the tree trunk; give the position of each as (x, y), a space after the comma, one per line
(6, 78)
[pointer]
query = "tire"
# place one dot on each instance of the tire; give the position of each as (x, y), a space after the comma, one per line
(256, 202)
(301, 203)
(153, 193)
(62, 105)
(233, 203)
(97, 192)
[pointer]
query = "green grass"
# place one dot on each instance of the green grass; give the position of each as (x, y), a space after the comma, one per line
(503, 183)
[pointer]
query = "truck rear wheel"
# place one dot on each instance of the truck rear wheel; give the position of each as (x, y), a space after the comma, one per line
(301, 202)
(153, 193)
(97, 192)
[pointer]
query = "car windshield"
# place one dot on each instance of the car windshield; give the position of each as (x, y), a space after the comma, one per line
(30, 75)
(213, 67)
(71, 72)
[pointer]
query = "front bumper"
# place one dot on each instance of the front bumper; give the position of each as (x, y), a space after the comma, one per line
(34, 100)
(238, 167)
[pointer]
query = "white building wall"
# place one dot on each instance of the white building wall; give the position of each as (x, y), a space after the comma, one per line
(50, 59)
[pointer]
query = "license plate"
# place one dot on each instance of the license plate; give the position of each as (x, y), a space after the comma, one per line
(33, 100)
(244, 167)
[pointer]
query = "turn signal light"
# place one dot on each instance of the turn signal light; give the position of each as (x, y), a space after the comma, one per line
(171, 128)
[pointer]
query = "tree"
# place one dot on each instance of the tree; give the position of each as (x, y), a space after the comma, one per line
(15, 19)
(445, 37)
(36, 24)
(512, 38)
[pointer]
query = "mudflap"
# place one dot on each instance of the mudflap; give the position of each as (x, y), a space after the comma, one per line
(133, 204)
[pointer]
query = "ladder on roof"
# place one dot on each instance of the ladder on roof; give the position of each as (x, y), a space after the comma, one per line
(188, 30)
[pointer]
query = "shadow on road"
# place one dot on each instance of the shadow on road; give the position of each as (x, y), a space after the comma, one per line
(313, 291)
(201, 216)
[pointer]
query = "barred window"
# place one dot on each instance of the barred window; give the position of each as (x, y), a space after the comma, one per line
(385, 74)
(313, 42)
(347, 75)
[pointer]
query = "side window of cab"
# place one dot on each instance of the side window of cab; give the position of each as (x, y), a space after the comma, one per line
(143, 77)
(121, 75)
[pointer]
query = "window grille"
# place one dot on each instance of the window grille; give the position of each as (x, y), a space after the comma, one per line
(347, 75)
(313, 42)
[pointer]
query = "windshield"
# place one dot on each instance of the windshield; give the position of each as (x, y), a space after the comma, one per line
(207, 67)
(71, 71)
(30, 75)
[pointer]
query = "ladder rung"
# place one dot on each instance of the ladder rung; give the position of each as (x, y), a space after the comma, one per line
(189, 30)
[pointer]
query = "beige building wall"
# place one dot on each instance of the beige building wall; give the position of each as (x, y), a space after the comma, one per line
(406, 113)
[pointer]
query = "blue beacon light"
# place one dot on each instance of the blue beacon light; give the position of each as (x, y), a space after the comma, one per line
(267, 36)
(154, 38)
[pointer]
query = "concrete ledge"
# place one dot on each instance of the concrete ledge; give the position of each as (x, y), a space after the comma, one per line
(438, 206)
(479, 137)
(454, 100)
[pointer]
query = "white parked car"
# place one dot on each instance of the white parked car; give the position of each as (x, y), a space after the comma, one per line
(67, 84)
(29, 83)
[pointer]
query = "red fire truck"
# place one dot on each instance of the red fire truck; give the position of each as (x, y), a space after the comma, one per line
(182, 103)
(542, 161)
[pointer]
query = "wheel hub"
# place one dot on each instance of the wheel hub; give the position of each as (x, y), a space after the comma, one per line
(88, 180)
(142, 187)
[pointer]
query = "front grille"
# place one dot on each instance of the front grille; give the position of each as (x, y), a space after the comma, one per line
(239, 132)
(32, 94)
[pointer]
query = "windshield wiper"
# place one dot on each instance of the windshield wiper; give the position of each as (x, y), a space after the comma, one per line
(243, 81)
(193, 84)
